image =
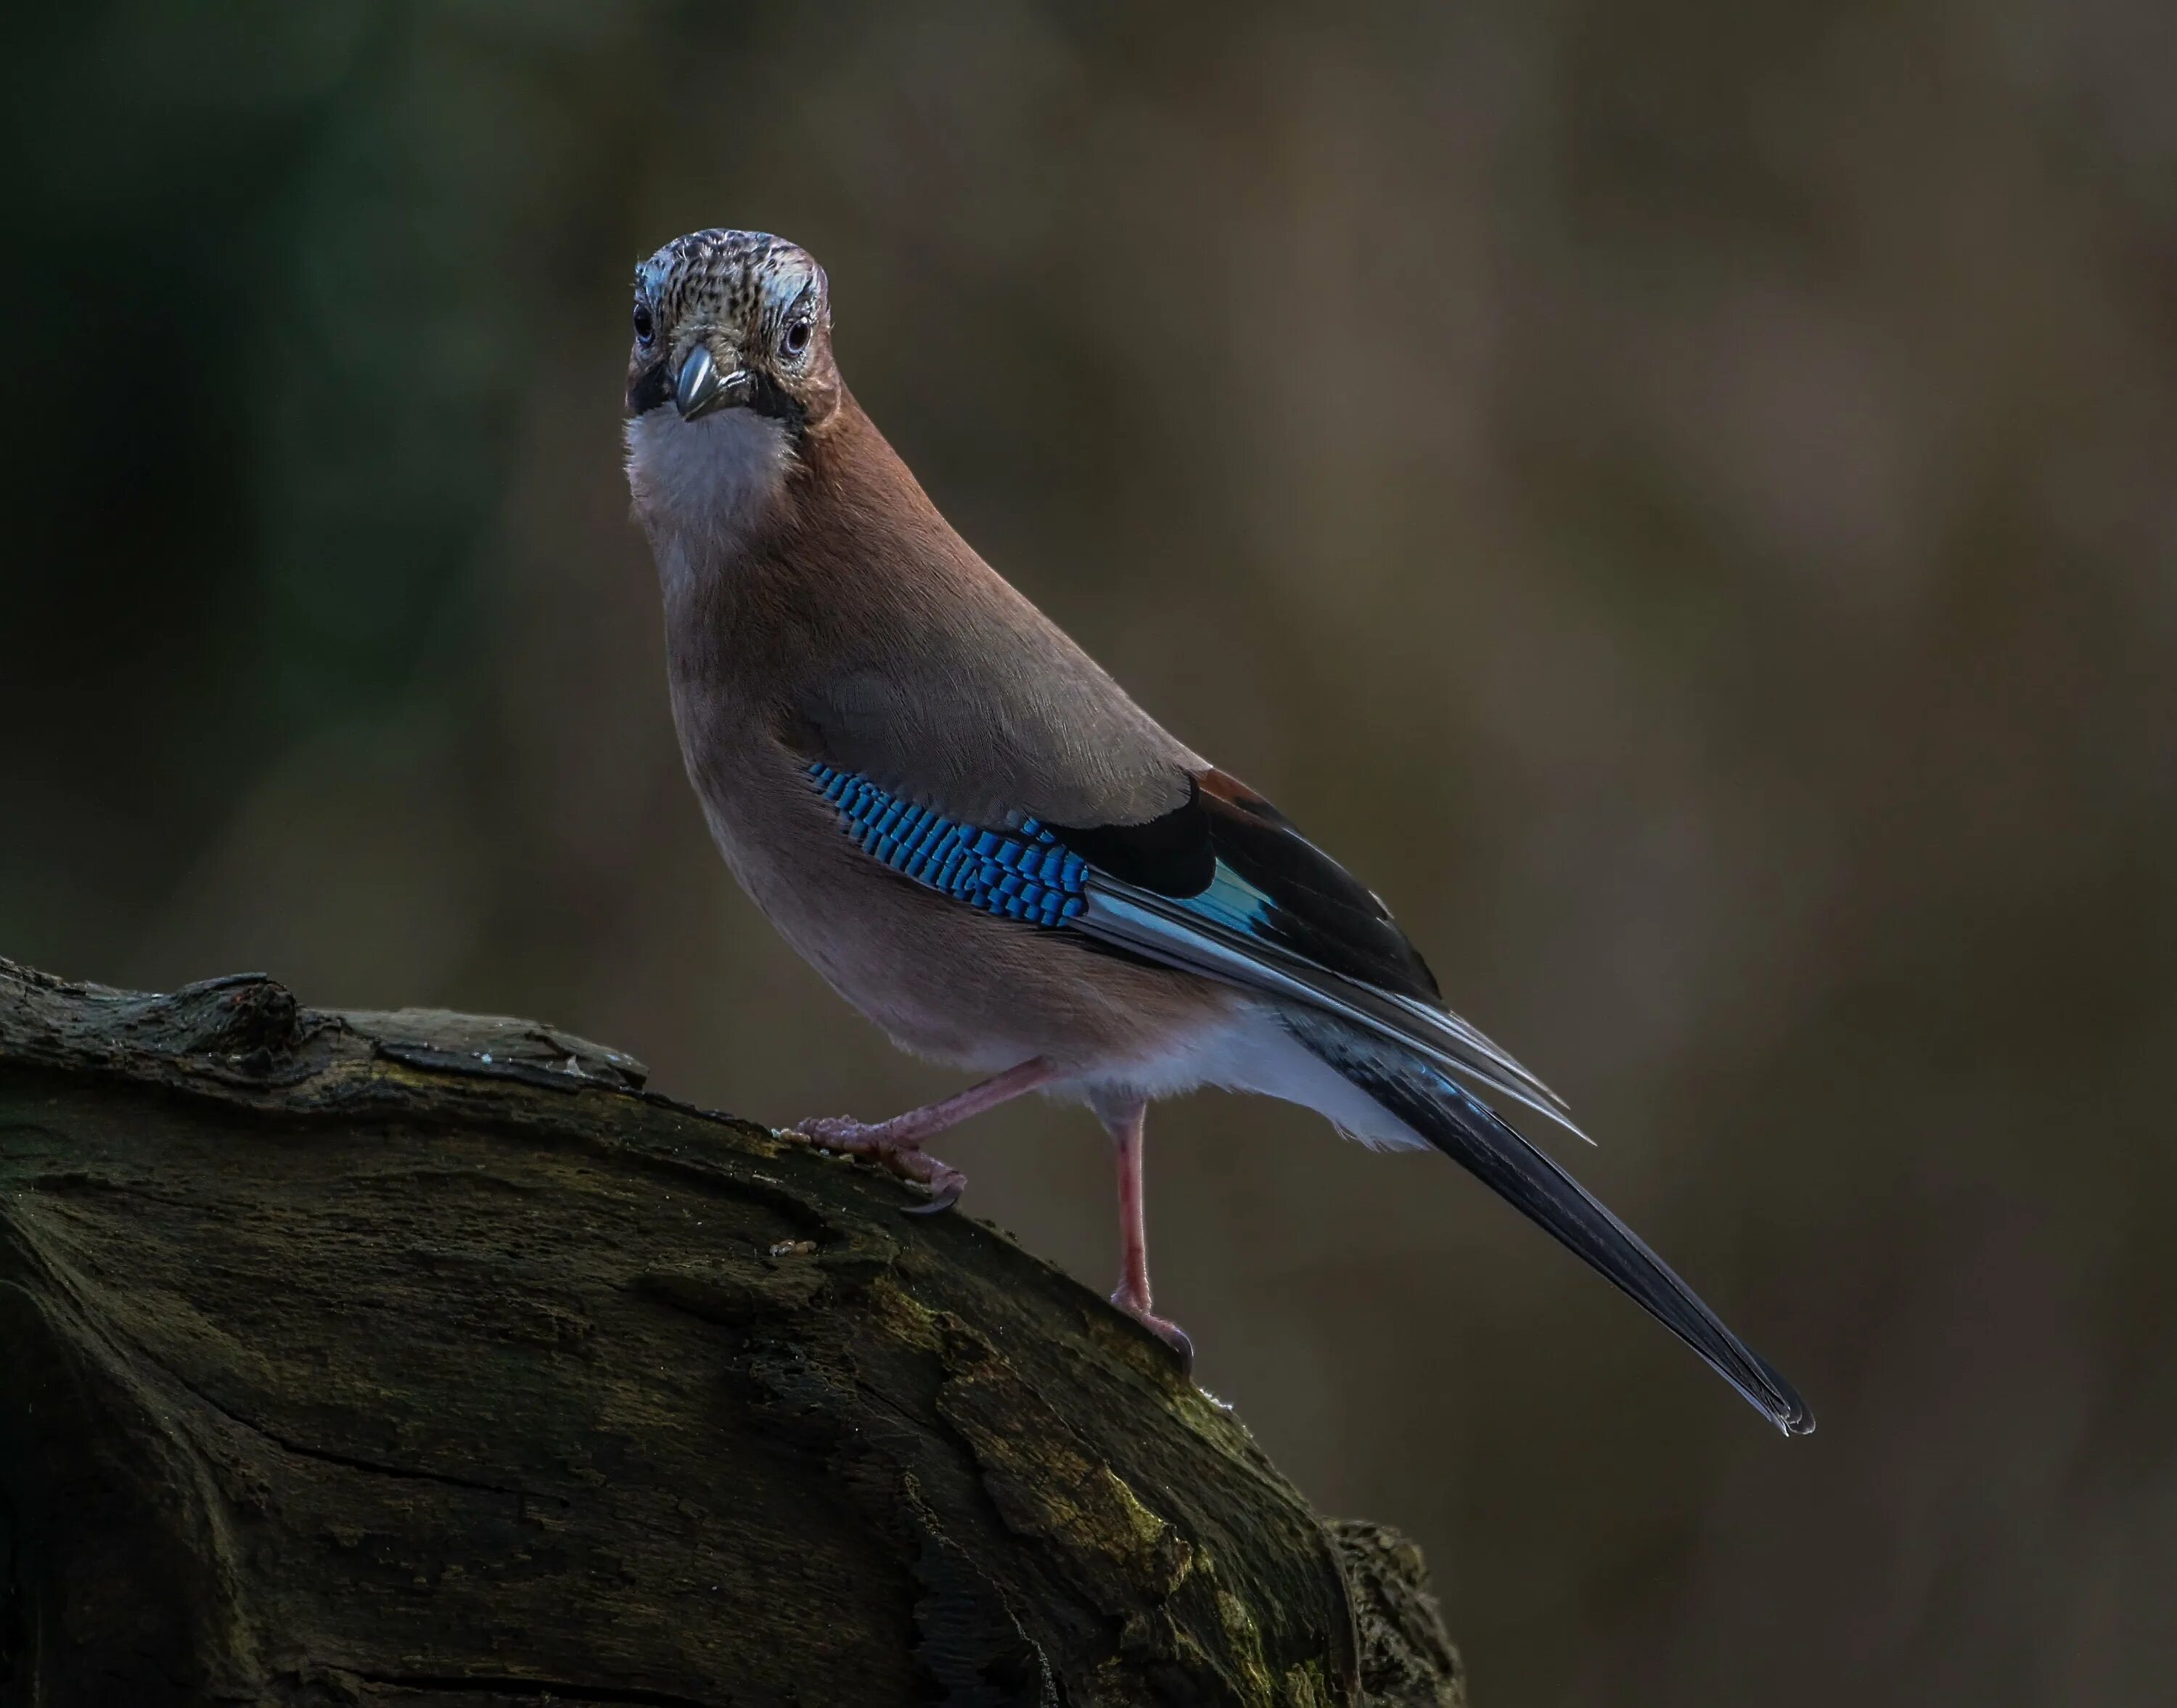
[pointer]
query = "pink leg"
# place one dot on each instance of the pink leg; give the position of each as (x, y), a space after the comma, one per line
(1133, 1295)
(897, 1142)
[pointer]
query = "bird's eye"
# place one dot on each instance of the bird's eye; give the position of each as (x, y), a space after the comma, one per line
(646, 329)
(797, 337)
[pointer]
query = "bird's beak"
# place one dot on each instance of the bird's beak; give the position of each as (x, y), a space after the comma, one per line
(701, 388)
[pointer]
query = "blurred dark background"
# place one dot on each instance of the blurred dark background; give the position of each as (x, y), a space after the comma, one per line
(1681, 496)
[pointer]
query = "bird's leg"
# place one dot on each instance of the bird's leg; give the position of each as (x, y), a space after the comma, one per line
(1133, 1295)
(897, 1142)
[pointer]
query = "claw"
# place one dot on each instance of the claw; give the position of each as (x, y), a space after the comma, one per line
(1164, 1329)
(948, 1196)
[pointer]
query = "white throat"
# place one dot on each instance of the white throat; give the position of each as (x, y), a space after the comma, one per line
(701, 487)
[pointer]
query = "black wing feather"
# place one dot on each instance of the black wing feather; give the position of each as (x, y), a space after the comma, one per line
(1319, 911)
(1166, 889)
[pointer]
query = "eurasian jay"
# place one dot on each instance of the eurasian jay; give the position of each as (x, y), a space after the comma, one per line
(982, 844)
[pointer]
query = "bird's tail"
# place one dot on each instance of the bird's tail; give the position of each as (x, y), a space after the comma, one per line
(1437, 1109)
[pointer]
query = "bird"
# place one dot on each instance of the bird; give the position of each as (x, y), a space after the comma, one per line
(980, 841)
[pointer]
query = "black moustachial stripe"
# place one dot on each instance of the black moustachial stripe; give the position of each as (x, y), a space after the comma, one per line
(649, 389)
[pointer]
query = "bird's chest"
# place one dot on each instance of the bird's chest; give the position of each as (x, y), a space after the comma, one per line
(865, 930)
(763, 811)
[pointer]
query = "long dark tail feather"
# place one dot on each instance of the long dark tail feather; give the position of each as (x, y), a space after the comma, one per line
(1469, 1132)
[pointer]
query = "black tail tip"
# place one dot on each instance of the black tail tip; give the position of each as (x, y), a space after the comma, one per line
(1781, 1400)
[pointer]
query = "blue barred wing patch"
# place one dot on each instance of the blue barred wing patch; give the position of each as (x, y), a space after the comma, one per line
(1020, 874)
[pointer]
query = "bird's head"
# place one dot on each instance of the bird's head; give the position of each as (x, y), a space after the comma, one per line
(733, 321)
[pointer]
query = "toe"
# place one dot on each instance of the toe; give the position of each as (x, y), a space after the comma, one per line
(834, 1132)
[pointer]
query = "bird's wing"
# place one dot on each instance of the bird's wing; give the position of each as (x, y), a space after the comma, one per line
(976, 711)
(1221, 885)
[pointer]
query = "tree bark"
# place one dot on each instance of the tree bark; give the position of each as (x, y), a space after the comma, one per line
(419, 1358)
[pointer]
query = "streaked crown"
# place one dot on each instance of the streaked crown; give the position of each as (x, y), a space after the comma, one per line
(729, 275)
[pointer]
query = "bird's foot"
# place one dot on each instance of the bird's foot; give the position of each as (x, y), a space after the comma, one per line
(894, 1145)
(1163, 1328)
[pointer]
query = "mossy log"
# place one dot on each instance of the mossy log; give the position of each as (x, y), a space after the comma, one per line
(418, 1358)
